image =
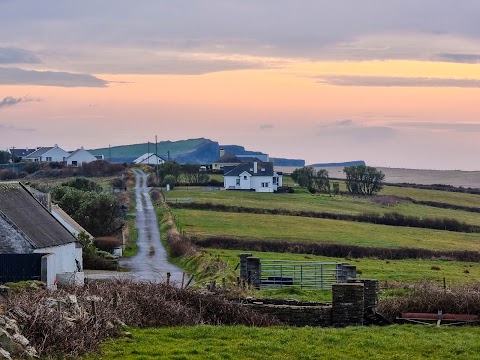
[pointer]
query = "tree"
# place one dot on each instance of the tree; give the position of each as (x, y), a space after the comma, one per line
(5, 157)
(336, 188)
(83, 184)
(363, 179)
(323, 181)
(303, 176)
(193, 175)
(169, 168)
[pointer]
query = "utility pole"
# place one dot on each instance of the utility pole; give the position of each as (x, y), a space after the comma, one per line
(13, 158)
(109, 154)
(168, 155)
(156, 159)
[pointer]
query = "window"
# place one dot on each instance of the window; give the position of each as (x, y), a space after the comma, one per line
(48, 158)
(238, 181)
(245, 177)
(265, 184)
(74, 163)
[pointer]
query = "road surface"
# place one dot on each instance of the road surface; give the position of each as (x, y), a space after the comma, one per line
(151, 263)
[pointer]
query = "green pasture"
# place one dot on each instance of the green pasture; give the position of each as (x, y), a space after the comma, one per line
(434, 195)
(387, 271)
(240, 342)
(304, 201)
(292, 228)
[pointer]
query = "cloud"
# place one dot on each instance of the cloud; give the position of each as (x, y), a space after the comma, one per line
(10, 55)
(393, 81)
(459, 58)
(348, 130)
(16, 76)
(14, 128)
(459, 127)
(10, 101)
(266, 126)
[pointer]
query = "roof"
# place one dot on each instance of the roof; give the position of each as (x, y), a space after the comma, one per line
(72, 224)
(145, 157)
(21, 152)
(12, 240)
(263, 169)
(40, 151)
(73, 153)
(227, 158)
(28, 216)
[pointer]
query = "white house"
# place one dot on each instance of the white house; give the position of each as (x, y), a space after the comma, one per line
(48, 154)
(257, 176)
(149, 159)
(80, 156)
(27, 228)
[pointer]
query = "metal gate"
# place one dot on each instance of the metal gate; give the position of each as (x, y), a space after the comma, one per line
(19, 267)
(304, 274)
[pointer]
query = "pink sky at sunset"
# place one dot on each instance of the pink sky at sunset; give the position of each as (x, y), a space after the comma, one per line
(399, 93)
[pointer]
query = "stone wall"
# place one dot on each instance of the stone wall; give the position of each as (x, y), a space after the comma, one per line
(350, 302)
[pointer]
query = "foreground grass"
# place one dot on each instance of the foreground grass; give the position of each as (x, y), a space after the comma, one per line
(304, 201)
(403, 271)
(290, 228)
(239, 342)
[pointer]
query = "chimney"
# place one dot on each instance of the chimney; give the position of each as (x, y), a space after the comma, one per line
(255, 167)
(222, 152)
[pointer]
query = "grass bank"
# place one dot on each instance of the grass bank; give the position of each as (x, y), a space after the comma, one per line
(239, 342)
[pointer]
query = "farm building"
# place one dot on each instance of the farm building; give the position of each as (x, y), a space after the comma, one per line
(257, 176)
(33, 244)
(79, 157)
(48, 154)
(149, 159)
(228, 160)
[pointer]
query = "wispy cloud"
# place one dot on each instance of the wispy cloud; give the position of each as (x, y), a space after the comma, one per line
(459, 58)
(460, 127)
(15, 128)
(16, 76)
(394, 81)
(11, 55)
(11, 101)
(266, 126)
(355, 131)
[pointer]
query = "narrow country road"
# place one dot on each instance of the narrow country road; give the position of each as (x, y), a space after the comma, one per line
(151, 263)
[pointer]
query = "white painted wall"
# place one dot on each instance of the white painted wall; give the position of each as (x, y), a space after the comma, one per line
(252, 182)
(62, 259)
(57, 154)
(81, 156)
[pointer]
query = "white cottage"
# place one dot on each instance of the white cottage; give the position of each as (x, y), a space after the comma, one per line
(48, 154)
(79, 157)
(149, 159)
(27, 228)
(256, 176)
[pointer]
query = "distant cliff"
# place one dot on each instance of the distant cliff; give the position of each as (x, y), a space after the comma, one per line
(340, 164)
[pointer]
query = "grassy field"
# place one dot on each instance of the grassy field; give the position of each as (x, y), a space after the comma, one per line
(302, 200)
(239, 342)
(291, 228)
(403, 271)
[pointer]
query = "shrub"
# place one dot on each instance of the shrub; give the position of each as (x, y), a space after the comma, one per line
(8, 175)
(107, 243)
(31, 167)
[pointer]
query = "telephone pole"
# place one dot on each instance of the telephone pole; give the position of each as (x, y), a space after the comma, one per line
(13, 158)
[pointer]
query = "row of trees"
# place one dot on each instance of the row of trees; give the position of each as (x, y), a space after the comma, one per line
(173, 173)
(361, 179)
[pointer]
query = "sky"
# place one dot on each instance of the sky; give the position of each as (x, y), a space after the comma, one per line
(394, 83)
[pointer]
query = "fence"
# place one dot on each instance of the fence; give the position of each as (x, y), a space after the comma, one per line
(303, 274)
(19, 267)
(176, 201)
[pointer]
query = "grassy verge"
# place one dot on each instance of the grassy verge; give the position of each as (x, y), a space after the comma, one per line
(131, 247)
(239, 342)
(277, 227)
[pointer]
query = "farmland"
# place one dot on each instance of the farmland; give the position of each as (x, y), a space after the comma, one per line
(239, 342)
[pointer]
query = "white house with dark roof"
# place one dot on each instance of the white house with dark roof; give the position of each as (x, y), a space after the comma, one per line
(79, 157)
(149, 159)
(48, 154)
(27, 228)
(20, 154)
(255, 176)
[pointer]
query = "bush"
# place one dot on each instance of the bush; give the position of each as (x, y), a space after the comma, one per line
(83, 184)
(8, 175)
(31, 167)
(107, 243)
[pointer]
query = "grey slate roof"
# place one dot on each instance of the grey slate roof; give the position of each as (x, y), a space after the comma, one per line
(263, 169)
(21, 152)
(13, 241)
(40, 152)
(27, 215)
(227, 158)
